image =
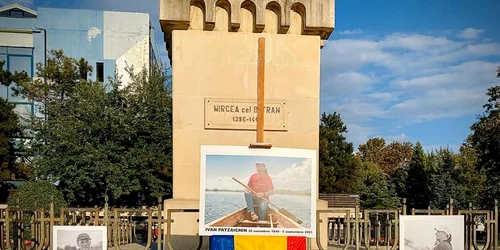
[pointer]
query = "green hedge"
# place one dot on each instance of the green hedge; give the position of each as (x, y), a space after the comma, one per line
(37, 194)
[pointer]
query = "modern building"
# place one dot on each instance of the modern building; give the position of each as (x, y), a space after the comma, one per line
(108, 40)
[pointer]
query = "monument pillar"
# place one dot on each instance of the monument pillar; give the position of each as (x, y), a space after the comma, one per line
(213, 48)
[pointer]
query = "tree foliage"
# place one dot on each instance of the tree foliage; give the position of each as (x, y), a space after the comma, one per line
(372, 150)
(418, 180)
(10, 127)
(338, 168)
(101, 139)
(485, 139)
(33, 195)
(398, 182)
(375, 191)
(471, 179)
(445, 185)
(389, 157)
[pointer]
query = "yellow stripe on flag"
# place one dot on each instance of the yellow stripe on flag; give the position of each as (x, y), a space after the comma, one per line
(251, 242)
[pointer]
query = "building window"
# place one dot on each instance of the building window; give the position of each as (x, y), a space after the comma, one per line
(100, 71)
(16, 13)
(19, 63)
(15, 59)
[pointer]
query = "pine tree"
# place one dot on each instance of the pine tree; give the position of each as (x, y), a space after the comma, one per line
(338, 168)
(418, 181)
(375, 191)
(445, 184)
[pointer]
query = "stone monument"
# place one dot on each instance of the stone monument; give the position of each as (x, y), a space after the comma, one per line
(213, 46)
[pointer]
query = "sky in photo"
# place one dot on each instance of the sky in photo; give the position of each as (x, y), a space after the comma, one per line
(403, 70)
(287, 173)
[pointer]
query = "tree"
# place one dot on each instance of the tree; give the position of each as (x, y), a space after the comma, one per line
(417, 182)
(375, 191)
(445, 185)
(471, 179)
(33, 195)
(485, 139)
(397, 155)
(372, 151)
(9, 121)
(398, 182)
(389, 157)
(338, 168)
(9, 129)
(101, 139)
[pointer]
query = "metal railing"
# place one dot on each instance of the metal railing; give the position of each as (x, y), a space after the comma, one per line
(379, 228)
(23, 229)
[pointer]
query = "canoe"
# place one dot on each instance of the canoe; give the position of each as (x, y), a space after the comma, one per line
(241, 218)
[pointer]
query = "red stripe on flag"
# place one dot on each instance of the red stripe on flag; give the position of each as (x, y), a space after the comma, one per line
(296, 243)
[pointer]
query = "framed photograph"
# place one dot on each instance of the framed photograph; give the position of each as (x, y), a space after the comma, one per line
(429, 232)
(246, 191)
(80, 237)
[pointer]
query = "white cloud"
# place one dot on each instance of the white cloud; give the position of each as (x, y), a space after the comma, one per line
(414, 41)
(470, 33)
(355, 111)
(468, 73)
(351, 32)
(401, 79)
(440, 103)
(343, 83)
(382, 96)
(294, 177)
(390, 138)
(350, 54)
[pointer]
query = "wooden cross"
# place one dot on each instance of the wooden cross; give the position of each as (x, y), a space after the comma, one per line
(261, 61)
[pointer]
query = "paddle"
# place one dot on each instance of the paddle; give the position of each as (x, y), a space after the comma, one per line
(281, 210)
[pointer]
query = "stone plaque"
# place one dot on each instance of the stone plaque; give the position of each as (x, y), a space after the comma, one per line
(241, 114)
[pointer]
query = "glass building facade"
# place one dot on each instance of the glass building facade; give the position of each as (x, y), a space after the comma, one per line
(17, 59)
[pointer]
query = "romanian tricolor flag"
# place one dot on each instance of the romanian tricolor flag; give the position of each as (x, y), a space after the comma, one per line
(251, 242)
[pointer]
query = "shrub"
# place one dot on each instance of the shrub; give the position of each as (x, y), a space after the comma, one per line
(37, 194)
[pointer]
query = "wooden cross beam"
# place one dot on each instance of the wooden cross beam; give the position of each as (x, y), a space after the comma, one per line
(261, 66)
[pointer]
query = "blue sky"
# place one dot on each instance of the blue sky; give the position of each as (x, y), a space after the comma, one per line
(403, 70)
(411, 70)
(286, 172)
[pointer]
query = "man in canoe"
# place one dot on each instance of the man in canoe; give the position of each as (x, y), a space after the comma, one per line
(262, 186)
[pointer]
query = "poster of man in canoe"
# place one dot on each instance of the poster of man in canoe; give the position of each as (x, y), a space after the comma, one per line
(247, 191)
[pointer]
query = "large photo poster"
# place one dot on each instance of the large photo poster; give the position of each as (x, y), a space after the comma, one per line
(247, 191)
(431, 232)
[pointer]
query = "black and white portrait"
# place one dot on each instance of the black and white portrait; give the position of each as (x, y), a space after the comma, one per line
(80, 237)
(431, 232)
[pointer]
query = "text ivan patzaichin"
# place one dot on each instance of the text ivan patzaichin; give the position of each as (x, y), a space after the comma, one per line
(260, 230)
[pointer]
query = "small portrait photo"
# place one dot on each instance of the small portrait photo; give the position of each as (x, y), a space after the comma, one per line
(80, 237)
(432, 232)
